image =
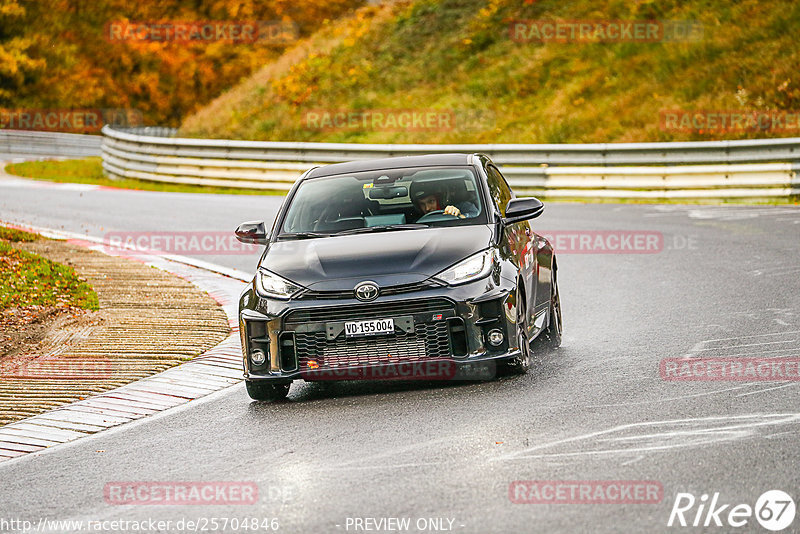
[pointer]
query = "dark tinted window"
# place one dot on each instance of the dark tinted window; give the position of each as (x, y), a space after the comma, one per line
(385, 197)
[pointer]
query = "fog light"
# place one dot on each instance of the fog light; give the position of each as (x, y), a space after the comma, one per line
(258, 357)
(496, 338)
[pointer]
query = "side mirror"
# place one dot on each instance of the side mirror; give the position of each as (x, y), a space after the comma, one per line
(253, 232)
(522, 209)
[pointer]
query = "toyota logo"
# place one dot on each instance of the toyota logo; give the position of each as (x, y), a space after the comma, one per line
(366, 291)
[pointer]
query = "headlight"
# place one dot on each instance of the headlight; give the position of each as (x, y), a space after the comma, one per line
(472, 268)
(271, 285)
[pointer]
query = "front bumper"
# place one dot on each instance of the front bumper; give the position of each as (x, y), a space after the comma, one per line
(440, 333)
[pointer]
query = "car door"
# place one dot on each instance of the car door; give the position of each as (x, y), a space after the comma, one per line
(517, 237)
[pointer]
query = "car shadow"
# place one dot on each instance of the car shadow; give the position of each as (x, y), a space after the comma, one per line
(305, 392)
(545, 365)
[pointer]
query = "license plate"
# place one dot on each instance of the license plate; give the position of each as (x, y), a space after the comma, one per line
(372, 327)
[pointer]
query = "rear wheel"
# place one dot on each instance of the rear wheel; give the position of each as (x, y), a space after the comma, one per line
(267, 391)
(521, 363)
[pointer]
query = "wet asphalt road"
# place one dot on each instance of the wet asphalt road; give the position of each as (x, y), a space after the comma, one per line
(727, 284)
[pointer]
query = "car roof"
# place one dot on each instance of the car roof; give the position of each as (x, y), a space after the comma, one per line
(401, 162)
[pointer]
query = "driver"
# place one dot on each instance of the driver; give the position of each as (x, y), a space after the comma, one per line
(428, 198)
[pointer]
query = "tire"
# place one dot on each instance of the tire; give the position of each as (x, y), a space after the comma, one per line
(551, 336)
(520, 365)
(267, 391)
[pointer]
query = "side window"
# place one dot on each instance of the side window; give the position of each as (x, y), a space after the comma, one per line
(498, 188)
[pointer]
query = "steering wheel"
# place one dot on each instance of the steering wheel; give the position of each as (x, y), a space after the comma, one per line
(432, 215)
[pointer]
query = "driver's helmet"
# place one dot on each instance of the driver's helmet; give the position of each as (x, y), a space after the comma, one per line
(420, 190)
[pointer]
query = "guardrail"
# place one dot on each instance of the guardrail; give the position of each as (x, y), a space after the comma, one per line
(751, 168)
(48, 144)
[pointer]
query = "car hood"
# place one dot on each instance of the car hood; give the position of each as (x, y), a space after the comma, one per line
(386, 258)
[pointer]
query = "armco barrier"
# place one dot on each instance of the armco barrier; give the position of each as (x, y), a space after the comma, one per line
(749, 168)
(33, 144)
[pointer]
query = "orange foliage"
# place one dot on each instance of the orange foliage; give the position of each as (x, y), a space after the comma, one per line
(60, 53)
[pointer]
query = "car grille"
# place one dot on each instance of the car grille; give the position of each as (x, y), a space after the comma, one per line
(429, 341)
(367, 311)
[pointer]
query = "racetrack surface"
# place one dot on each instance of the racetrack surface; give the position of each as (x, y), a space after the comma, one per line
(725, 284)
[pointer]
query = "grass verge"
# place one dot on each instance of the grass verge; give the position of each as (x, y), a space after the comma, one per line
(27, 279)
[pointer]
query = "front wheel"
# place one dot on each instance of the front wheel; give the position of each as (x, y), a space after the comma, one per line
(552, 334)
(267, 391)
(521, 364)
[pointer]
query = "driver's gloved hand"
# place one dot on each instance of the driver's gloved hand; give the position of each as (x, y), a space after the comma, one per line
(454, 211)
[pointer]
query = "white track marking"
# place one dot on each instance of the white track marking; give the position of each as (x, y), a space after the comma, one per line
(751, 345)
(632, 461)
(770, 436)
(661, 400)
(728, 213)
(673, 437)
(750, 337)
(788, 351)
(373, 467)
(767, 389)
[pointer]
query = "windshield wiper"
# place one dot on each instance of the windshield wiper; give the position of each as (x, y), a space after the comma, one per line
(383, 228)
(303, 235)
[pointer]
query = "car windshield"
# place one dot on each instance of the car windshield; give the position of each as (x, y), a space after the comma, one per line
(396, 199)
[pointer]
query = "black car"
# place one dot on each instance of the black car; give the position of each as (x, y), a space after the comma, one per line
(408, 267)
